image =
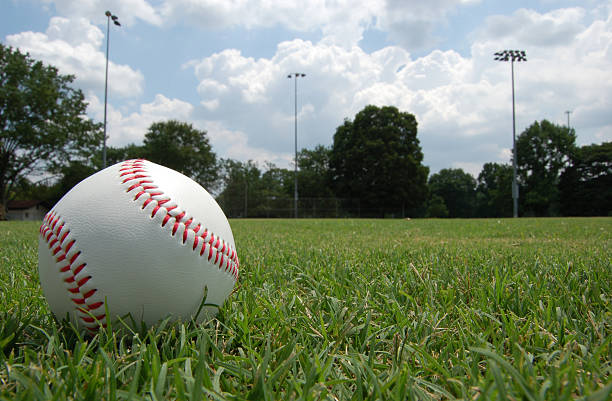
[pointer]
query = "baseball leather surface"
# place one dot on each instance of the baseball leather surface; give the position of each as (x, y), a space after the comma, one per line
(138, 239)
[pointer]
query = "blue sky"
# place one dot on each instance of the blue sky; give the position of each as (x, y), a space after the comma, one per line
(222, 66)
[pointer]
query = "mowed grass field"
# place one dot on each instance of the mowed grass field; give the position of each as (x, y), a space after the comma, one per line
(346, 310)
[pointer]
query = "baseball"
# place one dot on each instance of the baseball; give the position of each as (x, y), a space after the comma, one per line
(138, 239)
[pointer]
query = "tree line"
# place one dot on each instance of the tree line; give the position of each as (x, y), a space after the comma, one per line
(373, 168)
(365, 174)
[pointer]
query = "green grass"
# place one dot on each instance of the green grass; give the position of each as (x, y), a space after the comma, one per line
(346, 309)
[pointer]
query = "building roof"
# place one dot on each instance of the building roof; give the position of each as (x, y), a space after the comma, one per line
(23, 204)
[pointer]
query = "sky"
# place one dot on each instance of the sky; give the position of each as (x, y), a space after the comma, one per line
(222, 66)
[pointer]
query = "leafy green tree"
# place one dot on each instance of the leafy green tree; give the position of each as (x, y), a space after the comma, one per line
(436, 207)
(240, 185)
(277, 182)
(586, 186)
(377, 159)
(42, 121)
(458, 190)
(115, 155)
(314, 173)
(183, 148)
(544, 150)
(494, 190)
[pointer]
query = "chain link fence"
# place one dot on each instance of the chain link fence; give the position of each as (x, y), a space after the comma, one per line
(275, 207)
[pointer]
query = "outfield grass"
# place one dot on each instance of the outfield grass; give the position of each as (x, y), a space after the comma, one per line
(346, 309)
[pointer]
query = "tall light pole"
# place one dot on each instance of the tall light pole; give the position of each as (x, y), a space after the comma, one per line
(115, 19)
(512, 56)
(295, 75)
(568, 112)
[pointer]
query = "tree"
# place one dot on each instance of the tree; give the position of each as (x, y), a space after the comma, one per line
(240, 181)
(458, 190)
(183, 148)
(544, 150)
(116, 155)
(436, 207)
(42, 121)
(313, 173)
(377, 159)
(247, 192)
(494, 190)
(586, 186)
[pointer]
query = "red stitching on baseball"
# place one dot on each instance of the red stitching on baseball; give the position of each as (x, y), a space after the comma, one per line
(54, 234)
(95, 305)
(69, 246)
(166, 218)
(78, 269)
(135, 173)
(83, 281)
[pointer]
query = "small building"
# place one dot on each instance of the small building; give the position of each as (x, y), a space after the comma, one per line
(32, 210)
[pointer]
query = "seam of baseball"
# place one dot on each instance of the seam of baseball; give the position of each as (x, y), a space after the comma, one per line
(73, 271)
(135, 176)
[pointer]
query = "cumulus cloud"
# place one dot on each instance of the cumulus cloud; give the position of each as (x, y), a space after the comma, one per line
(340, 20)
(556, 28)
(235, 145)
(124, 128)
(128, 10)
(462, 103)
(75, 46)
(410, 23)
(571, 74)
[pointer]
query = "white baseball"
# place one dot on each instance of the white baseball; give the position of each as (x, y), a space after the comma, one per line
(140, 240)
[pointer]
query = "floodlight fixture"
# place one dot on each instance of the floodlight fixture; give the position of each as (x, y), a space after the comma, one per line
(512, 56)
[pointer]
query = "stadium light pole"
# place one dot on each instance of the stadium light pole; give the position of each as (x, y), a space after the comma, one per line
(568, 112)
(512, 56)
(109, 17)
(295, 75)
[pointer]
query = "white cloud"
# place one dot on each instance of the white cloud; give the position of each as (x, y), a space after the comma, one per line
(131, 127)
(469, 167)
(571, 73)
(556, 28)
(339, 21)
(128, 10)
(74, 47)
(462, 104)
(410, 23)
(235, 145)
